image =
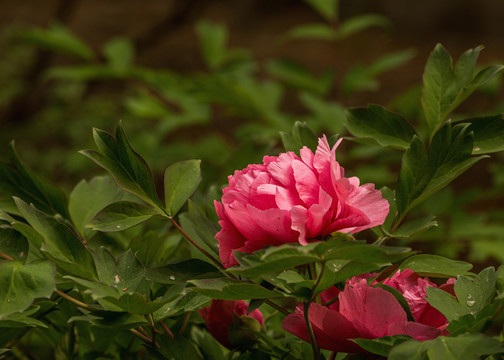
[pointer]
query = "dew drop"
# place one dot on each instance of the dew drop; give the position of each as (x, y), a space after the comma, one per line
(118, 226)
(470, 301)
(172, 277)
(117, 279)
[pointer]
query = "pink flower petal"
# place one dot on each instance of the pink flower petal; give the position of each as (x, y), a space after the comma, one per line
(364, 306)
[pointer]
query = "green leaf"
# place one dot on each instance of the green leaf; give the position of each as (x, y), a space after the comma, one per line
(327, 8)
(384, 127)
(312, 31)
(476, 293)
(415, 227)
(436, 266)
(381, 346)
(125, 273)
(423, 175)
(228, 289)
(361, 22)
(204, 227)
(445, 86)
(13, 244)
(213, 38)
(181, 180)
(121, 215)
(111, 320)
(87, 198)
(16, 179)
(61, 244)
(301, 136)
(178, 347)
(298, 76)
(21, 284)
(463, 347)
(21, 320)
(364, 77)
(59, 38)
(181, 272)
(488, 133)
(129, 170)
(119, 53)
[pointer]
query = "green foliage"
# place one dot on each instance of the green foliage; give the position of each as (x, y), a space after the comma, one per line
(117, 271)
(445, 86)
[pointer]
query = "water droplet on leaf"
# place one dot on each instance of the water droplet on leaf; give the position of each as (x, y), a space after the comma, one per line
(172, 277)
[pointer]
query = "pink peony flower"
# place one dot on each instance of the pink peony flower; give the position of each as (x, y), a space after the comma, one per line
(221, 315)
(414, 290)
(294, 199)
(363, 311)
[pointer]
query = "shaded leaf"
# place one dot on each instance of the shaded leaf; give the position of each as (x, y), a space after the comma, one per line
(436, 266)
(228, 289)
(463, 347)
(384, 127)
(181, 272)
(181, 180)
(59, 38)
(87, 198)
(21, 284)
(124, 273)
(121, 215)
(312, 31)
(119, 53)
(16, 179)
(423, 175)
(488, 134)
(445, 86)
(415, 227)
(60, 244)
(129, 170)
(13, 244)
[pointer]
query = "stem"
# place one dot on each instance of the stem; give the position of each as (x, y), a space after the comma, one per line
(203, 251)
(5, 256)
(333, 355)
(153, 328)
(143, 331)
(315, 349)
(167, 329)
(143, 337)
(184, 324)
(74, 300)
(317, 281)
(277, 307)
(397, 223)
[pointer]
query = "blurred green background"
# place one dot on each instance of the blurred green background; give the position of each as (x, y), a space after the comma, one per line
(219, 79)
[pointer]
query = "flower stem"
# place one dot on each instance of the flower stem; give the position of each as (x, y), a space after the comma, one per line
(74, 300)
(277, 307)
(184, 324)
(315, 349)
(167, 329)
(143, 337)
(5, 256)
(203, 251)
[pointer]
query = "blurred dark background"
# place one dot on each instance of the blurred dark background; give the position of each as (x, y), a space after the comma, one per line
(178, 106)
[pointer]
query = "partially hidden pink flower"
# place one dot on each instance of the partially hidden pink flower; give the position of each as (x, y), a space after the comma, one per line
(223, 316)
(292, 198)
(414, 289)
(364, 311)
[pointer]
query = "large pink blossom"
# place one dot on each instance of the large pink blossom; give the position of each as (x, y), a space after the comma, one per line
(219, 317)
(292, 198)
(364, 311)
